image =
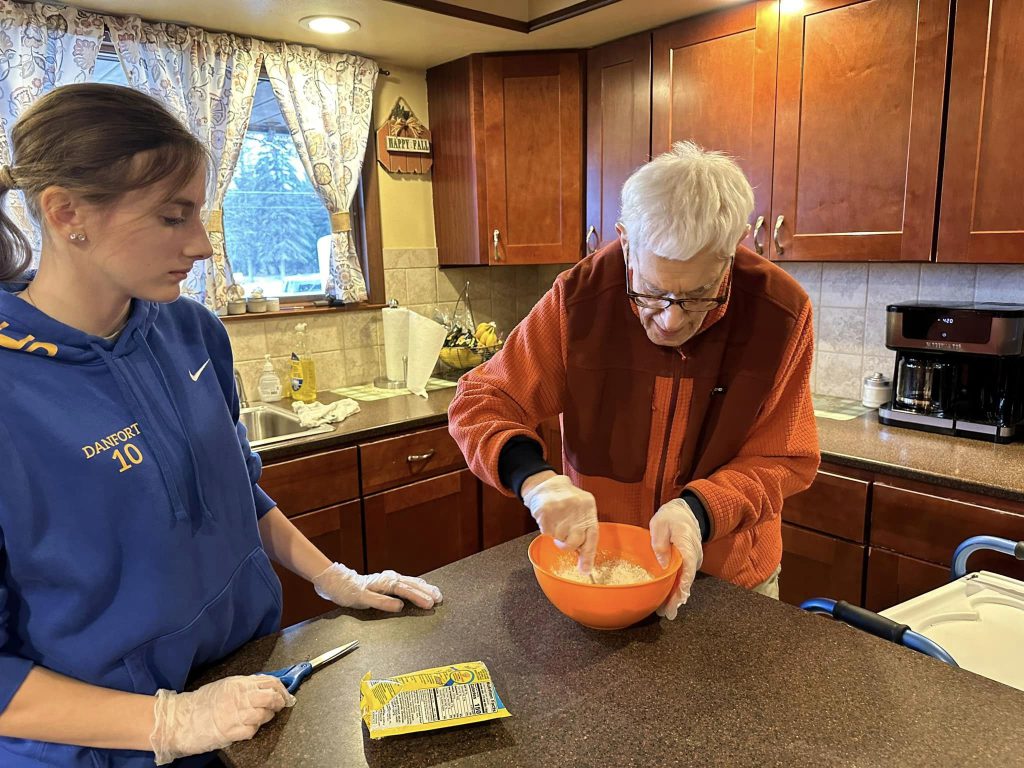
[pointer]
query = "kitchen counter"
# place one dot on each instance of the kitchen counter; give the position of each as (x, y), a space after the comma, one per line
(954, 462)
(737, 680)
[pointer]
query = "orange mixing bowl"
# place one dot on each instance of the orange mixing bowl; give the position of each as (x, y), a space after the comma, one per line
(606, 606)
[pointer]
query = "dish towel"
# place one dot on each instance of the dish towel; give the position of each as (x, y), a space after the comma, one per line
(316, 413)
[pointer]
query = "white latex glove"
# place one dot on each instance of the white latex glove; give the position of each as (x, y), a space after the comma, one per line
(675, 525)
(568, 514)
(349, 589)
(216, 715)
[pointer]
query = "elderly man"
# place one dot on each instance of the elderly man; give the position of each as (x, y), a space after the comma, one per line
(680, 363)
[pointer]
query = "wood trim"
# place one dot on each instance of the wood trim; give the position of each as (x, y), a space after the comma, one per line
(301, 309)
(467, 14)
(368, 215)
(569, 12)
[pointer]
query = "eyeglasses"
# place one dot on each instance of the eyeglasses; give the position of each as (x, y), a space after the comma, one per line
(700, 304)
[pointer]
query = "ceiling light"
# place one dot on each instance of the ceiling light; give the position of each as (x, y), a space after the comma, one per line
(329, 25)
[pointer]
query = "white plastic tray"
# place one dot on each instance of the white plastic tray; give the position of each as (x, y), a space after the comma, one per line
(978, 619)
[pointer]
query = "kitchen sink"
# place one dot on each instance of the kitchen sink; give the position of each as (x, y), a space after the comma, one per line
(268, 424)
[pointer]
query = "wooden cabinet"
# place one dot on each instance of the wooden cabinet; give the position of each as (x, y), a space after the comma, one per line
(816, 565)
(835, 504)
(618, 128)
(419, 527)
(508, 158)
(313, 482)
(982, 211)
(714, 84)
(338, 533)
(502, 518)
(858, 120)
(406, 458)
(894, 579)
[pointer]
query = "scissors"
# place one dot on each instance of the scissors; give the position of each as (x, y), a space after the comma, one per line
(292, 677)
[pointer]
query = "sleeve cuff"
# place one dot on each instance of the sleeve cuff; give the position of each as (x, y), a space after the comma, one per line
(263, 502)
(520, 458)
(13, 671)
(696, 504)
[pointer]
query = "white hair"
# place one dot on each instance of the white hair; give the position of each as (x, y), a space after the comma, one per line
(686, 201)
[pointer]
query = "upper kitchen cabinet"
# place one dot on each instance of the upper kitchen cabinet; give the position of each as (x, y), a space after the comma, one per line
(618, 128)
(858, 122)
(982, 209)
(508, 158)
(714, 84)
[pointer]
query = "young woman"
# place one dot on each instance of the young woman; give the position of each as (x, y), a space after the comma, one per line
(134, 538)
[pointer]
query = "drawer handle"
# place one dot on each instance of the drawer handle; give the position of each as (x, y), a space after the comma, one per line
(420, 456)
(497, 237)
(775, 236)
(758, 247)
(592, 232)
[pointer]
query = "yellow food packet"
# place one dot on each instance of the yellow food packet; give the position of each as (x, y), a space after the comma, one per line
(431, 698)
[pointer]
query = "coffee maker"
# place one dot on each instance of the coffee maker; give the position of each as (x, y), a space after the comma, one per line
(959, 369)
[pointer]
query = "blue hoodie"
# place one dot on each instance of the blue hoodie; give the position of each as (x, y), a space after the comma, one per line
(129, 549)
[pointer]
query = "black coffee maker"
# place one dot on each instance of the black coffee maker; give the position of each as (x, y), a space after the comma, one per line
(959, 369)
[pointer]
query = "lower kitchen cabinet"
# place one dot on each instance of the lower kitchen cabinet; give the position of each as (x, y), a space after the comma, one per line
(893, 578)
(502, 518)
(418, 527)
(338, 533)
(817, 565)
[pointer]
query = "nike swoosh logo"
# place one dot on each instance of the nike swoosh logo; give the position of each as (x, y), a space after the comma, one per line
(195, 376)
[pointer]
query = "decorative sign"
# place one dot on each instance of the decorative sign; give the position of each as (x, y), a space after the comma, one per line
(403, 142)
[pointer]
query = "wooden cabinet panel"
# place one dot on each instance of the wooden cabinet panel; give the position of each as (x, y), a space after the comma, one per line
(857, 128)
(397, 460)
(893, 578)
(312, 482)
(911, 519)
(422, 526)
(502, 518)
(618, 128)
(338, 533)
(982, 214)
(533, 134)
(714, 83)
(815, 565)
(835, 504)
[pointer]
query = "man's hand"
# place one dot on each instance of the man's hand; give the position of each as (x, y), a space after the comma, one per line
(566, 513)
(674, 525)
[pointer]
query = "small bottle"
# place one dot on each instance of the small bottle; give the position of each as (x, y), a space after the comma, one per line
(269, 383)
(303, 370)
(877, 391)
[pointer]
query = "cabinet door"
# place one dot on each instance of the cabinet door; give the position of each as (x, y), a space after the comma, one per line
(894, 579)
(502, 518)
(422, 526)
(312, 482)
(982, 216)
(835, 503)
(714, 84)
(533, 145)
(618, 128)
(814, 565)
(857, 129)
(338, 533)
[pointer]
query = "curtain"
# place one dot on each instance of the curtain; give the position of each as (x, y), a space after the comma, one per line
(208, 80)
(41, 47)
(326, 99)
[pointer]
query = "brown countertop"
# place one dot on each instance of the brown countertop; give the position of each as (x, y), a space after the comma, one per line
(737, 680)
(954, 462)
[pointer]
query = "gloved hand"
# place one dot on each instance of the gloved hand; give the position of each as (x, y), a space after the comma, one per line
(675, 525)
(568, 514)
(349, 589)
(216, 715)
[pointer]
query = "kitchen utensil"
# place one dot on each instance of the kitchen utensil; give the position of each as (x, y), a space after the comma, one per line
(292, 677)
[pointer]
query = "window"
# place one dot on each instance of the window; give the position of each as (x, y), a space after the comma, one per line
(275, 226)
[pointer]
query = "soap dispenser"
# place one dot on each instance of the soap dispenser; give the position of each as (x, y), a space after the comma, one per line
(269, 383)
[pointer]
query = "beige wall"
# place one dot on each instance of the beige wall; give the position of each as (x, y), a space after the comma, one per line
(406, 203)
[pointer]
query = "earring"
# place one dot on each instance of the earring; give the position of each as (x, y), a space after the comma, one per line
(78, 237)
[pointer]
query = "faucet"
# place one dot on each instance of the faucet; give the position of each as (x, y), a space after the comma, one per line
(240, 388)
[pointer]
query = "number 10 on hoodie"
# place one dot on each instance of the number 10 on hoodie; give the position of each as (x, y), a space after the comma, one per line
(129, 456)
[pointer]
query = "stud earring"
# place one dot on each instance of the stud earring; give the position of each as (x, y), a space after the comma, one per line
(77, 237)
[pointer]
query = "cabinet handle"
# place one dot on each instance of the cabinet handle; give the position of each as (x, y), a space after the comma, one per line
(420, 456)
(757, 230)
(775, 235)
(592, 232)
(497, 253)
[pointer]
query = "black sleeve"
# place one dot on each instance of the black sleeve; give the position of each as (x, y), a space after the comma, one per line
(520, 457)
(700, 512)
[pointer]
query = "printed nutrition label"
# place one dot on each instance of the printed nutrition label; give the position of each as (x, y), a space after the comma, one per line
(437, 705)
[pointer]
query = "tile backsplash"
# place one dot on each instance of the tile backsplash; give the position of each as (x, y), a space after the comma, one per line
(348, 346)
(849, 303)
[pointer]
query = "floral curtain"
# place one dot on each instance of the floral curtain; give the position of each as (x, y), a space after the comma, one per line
(326, 99)
(41, 47)
(208, 79)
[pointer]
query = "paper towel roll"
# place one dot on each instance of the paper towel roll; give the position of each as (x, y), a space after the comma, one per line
(396, 341)
(425, 341)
